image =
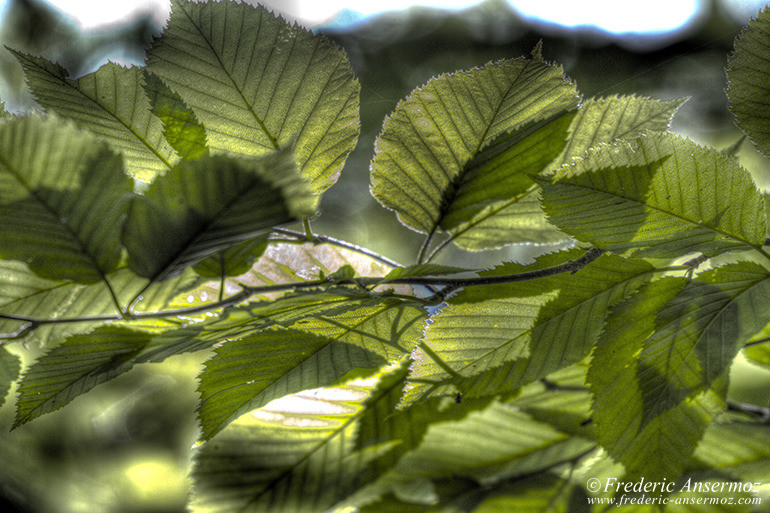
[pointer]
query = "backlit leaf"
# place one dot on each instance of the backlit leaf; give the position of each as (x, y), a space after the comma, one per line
(662, 197)
(246, 374)
(699, 333)
(598, 121)
(75, 367)
(110, 103)
(181, 128)
(661, 447)
(747, 81)
(493, 338)
(297, 456)
(443, 144)
(209, 204)
(258, 83)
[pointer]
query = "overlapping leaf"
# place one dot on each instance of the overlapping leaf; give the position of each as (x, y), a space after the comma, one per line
(110, 103)
(209, 204)
(246, 374)
(258, 83)
(235, 260)
(700, 332)
(483, 448)
(181, 128)
(662, 197)
(62, 195)
(76, 366)
(443, 144)
(300, 458)
(519, 217)
(662, 446)
(748, 71)
(500, 337)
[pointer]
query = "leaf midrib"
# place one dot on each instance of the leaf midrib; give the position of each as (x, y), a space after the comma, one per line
(248, 104)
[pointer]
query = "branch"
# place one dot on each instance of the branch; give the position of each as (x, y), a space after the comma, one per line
(326, 239)
(757, 342)
(247, 292)
(751, 409)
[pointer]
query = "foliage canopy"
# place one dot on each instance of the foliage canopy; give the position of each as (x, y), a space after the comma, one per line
(421, 388)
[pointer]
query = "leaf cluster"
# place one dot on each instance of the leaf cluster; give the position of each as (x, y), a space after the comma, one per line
(142, 217)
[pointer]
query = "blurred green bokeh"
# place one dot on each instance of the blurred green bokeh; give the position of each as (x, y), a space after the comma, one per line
(125, 447)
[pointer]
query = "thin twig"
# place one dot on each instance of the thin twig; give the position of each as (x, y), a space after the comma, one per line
(757, 342)
(326, 239)
(750, 409)
(247, 292)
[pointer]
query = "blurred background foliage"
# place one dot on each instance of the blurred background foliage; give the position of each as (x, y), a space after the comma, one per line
(125, 447)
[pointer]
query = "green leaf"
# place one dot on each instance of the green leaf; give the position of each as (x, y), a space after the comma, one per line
(661, 447)
(452, 136)
(75, 367)
(63, 197)
(296, 455)
(248, 373)
(111, 104)
(598, 121)
(699, 333)
(494, 338)
(604, 120)
(738, 450)
(495, 444)
(748, 93)
(663, 197)
(209, 204)
(235, 260)
(257, 84)
(9, 371)
(181, 128)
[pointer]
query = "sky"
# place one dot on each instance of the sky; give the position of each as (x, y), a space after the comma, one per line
(610, 16)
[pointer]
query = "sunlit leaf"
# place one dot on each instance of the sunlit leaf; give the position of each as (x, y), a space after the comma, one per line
(258, 83)
(209, 204)
(181, 128)
(74, 368)
(489, 446)
(598, 121)
(246, 374)
(747, 81)
(444, 143)
(317, 351)
(738, 450)
(63, 197)
(663, 196)
(297, 456)
(500, 337)
(110, 103)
